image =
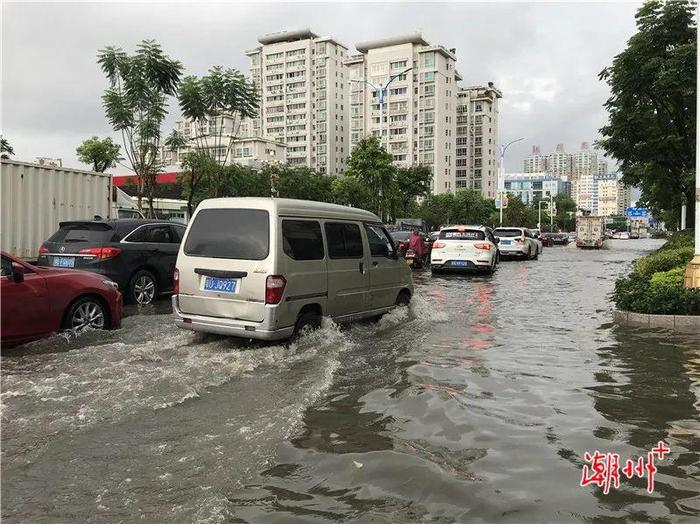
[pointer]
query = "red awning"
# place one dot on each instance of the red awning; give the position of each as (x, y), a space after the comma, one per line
(162, 178)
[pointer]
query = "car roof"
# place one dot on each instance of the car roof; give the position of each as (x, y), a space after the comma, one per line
(122, 226)
(510, 227)
(291, 207)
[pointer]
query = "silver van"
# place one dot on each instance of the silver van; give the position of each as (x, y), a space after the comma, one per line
(269, 268)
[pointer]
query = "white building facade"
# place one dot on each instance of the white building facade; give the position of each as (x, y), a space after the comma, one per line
(303, 86)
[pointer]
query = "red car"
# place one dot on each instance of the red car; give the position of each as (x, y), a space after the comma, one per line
(38, 301)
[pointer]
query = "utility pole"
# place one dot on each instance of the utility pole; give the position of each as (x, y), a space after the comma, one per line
(501, 179)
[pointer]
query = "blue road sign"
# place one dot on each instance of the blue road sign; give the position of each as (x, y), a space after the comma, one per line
(637, 212)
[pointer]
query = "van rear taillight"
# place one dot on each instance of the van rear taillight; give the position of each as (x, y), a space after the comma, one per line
(176, 282)
(274, 289)
(101, 252)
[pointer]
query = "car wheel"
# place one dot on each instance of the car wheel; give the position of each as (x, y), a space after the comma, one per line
(404, 299)
(537, 254)
(306, 323)
(85, 313)
(142, 287)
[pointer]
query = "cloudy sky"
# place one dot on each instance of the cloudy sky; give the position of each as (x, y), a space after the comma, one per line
(545, 57)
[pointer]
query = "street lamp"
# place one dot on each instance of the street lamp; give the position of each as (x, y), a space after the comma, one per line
(381, 91)
(501, 178)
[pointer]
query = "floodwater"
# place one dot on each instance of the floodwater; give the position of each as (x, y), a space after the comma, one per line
(476, 404)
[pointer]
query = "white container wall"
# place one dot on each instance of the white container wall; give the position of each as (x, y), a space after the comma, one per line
(36, 198)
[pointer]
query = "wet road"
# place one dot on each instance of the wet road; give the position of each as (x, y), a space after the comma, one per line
(477, 404)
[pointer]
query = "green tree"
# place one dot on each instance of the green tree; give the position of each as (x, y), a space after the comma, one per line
(101, 154)
(299, 182)
(349, 191)
(410, 183)
(371, 164)
(652, 120)
(470, 207)
(135, 105)
(517, 214)
(243, 181)
(197, 170)
(438, 210)
(5, 148)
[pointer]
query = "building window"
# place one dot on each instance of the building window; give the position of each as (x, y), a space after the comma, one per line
(428, 59)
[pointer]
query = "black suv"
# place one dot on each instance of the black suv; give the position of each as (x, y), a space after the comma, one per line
(137, 254)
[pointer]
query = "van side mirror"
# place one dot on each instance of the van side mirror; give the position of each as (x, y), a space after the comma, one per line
(498, 240)
(17, 273)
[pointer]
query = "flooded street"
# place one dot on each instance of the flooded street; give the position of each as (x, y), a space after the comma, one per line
(476, 404)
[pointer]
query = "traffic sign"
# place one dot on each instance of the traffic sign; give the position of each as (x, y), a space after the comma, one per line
(638, 212)
(501, 202)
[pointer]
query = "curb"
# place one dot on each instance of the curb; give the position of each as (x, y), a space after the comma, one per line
(680, 323)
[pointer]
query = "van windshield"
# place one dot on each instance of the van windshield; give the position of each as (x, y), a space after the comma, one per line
(242, 234)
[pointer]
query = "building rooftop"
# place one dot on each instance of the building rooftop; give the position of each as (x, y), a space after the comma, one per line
(414, 38)
(287, 36)
(331, 40)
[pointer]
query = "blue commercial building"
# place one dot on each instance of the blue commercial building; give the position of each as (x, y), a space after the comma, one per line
(535, 186)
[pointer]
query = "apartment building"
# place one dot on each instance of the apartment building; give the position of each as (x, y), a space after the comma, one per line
(536, 162)
(605, 194)
(417, 115)
(214, 135)
(476, 141)
(560, 162)
(624, 198)
(303, 87)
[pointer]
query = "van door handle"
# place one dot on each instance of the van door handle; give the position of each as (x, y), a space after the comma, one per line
(362, 268)
(375, 264)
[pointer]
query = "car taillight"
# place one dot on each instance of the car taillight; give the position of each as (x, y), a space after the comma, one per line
(176, 282)
(438, 245)
(485, 246)
(402, 245)
(274, 289)
(101, 252)
(43, 250)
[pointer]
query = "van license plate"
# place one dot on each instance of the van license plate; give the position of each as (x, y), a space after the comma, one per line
(64, 261)
(225, 285)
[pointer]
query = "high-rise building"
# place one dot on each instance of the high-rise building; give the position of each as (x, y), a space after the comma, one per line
(602, 167)
(605, 194)
(477, 139)
(536, 162)
(531, 187)
(624, 198)
(416, 118)
(303, 86)
(559, 163)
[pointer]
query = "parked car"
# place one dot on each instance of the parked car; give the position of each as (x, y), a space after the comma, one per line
(138, 254)
(517, 242)
(622, 235)
(39, 301)
(463, 248)
(634, 235)
(285, 265)
(555, 239)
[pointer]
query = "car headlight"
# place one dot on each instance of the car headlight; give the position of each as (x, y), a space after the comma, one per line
(111, 283)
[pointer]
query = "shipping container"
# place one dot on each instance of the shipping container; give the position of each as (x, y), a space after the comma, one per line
(36, 198)
(590, 232)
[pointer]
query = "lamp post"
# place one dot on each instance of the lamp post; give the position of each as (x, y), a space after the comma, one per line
(381, 91)
(501, 178)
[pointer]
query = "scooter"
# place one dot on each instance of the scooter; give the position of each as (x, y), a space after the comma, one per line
(415, 261)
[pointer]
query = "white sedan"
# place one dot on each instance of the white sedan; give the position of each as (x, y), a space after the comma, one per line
(464, 248)
(517, 242)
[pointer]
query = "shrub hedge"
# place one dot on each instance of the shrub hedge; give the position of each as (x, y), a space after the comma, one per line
(655, 285)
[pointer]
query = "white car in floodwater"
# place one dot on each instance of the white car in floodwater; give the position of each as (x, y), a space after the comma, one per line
(465, 248)
(517, 242)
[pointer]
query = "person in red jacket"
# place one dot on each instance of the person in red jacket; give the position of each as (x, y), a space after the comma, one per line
(417, 245)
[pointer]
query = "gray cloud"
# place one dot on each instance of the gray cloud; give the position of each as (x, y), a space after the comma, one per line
(545, 58)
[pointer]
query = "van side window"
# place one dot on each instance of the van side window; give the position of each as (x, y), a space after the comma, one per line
(380, 244)
(302, 240)
(344, 240)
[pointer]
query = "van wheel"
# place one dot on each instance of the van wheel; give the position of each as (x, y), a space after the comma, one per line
(404, 299)
(306, 323)
(142, 288)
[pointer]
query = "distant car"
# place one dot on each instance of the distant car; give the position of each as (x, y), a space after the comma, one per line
(517, 242)
(634, 235)
(138, 254)
(464, 248)
(621, 235)
(39, 301)
(555, 239)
